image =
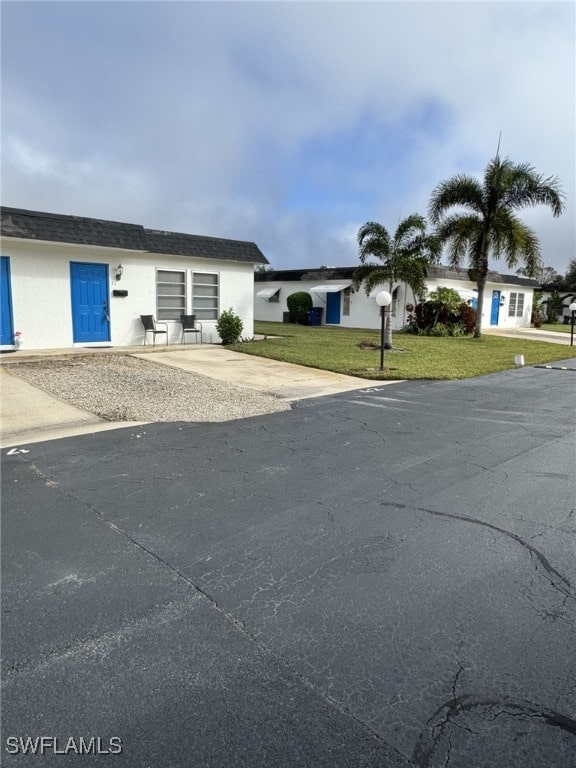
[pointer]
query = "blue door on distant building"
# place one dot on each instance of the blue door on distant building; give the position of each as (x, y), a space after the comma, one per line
(333, 301)
(90, 307)
(495, 310)
(6, 322)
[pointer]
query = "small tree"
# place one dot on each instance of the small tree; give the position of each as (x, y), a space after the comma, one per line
(554, 307)
(229, 327)
(478, 219)
(538, 315)
(401, 258)
(570, 276)
(299, 304)
(446, 298)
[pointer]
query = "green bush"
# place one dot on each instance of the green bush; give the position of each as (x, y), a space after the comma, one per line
(457, 329)
(229, 326)
(467, 316)
(444, 314)
(445, 299)
(299, 304)
(439, 330)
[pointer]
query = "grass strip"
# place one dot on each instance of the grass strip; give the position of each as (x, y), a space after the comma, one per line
(355, 352)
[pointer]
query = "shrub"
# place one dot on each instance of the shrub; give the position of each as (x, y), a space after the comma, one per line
(467, 316)
(229, 327)
(443, 310)
(299, 304)
(457, 329)
(446, 299)
(439, 330)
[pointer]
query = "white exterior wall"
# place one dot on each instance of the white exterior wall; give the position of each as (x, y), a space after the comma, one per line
(505, 290)
(41, 291)
(364, 312)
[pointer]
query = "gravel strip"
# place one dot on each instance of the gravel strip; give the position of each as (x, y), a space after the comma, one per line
(125, 388)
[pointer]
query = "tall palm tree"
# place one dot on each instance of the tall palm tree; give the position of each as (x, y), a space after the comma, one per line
(485, 223)
(403, 258)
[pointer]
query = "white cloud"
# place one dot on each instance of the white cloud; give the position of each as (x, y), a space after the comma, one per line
(199, 115)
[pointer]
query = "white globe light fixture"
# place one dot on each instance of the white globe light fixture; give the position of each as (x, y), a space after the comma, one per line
(572, 309)
(383, 299)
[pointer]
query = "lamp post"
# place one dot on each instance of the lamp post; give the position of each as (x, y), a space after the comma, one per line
(383, 299)
(572, 309)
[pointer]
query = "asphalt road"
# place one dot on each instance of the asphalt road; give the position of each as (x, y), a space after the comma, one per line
(382, 578)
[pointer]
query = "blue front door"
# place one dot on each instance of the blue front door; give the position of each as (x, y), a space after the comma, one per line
(495, 308)
(6, 323)
(333, 308)
(90, 312)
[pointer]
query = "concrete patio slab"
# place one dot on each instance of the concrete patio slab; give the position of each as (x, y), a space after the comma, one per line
(30, 415)
(283, 380)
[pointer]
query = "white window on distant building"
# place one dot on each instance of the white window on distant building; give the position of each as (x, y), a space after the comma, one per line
(205, 295)
(394, 301)
(516, 305)
(346, 301)
(170, 294)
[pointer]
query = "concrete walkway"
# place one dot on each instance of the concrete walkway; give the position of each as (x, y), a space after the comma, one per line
(283, 380)
(534, 334)
(29, 414)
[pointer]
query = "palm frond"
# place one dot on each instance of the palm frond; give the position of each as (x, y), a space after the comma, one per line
(514, 240)
(413, 273)
(460, 234)
(460, 191)
(525, 188)
(378, 277)
(364, 272)
(409, 228)
(373, 240)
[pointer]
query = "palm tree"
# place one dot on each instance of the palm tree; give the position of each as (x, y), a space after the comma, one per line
(486, 224)
(403, 258)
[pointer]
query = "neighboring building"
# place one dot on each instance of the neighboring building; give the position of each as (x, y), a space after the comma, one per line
(557, 294)
(70, 281)
(507, 299)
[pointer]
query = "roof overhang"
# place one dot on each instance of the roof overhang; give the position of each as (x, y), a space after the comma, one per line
(330, 287)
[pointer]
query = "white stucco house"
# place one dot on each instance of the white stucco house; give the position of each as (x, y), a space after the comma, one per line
(507, 299)
(70, 281)
(565, 298)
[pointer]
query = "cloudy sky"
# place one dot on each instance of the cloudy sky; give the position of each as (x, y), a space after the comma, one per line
(286, 123)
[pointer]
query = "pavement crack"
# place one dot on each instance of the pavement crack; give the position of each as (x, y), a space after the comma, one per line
(252, 638)
(554, 577)
(480, 709)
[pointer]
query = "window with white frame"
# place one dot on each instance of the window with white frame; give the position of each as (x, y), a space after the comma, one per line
(346, 301)
(516, 305)
(170, 294)
(394, 301)
(205, 295)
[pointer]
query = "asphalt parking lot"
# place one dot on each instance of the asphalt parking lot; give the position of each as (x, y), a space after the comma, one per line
(380, 577)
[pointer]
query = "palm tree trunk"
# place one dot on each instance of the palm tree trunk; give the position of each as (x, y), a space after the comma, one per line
(388, 322)
(481, 283)
(387, 327)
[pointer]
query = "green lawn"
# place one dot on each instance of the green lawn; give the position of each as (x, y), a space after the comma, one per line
(413, 357)
(556, 327)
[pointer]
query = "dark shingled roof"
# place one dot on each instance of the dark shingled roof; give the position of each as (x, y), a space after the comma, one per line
(452, 273)
(346, 273)
(54, 227)
(322, 273)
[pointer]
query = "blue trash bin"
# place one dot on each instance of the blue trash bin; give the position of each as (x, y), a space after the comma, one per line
(315, 316)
